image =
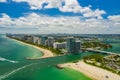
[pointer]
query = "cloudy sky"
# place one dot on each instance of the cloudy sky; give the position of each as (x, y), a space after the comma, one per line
(60, 16)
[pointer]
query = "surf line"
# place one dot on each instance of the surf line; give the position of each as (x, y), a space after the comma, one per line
(4, 59)
(6, 75)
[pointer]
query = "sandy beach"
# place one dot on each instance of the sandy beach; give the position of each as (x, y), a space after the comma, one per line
(46, 53)
(91, 71)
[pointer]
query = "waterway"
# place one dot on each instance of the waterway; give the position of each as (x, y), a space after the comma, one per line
(115, 42)
(14, 66)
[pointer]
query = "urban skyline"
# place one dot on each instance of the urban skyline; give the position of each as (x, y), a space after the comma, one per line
(59, 39)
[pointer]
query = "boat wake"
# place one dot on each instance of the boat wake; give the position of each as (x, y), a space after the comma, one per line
(3, 59)
(6, 75)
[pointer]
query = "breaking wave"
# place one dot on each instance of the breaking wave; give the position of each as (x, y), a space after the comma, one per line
(3, 59)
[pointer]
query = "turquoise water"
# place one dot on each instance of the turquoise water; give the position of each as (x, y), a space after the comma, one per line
(16, 51)
(115, 49)
(44, 69)
(115, 42)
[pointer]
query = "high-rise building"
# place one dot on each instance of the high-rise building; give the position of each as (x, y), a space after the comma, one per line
(28, 38)
(43, 40)
(49, 42)
(36, 40)
(57, 45)
(72, 46)
(78, 46)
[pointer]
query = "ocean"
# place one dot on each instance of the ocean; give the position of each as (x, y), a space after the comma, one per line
(14, 66)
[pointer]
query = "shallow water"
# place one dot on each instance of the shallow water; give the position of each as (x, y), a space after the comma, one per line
(44, 69)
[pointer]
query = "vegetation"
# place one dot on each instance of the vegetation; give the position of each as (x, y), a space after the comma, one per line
(95, 57)
(96, 44)
(75, 61)
(61, 40)
(109, 63)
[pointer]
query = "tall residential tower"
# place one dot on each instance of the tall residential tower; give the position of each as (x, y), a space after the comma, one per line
(72, 46)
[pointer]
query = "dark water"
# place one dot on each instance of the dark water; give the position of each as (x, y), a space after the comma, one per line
(43, 69)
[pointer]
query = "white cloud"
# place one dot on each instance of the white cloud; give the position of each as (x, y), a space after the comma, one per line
(34, 23)
(97, 13)
(5, 20)
(114, 18)
(3, 0)
(37, 4)
(114, 21)
(71, 6)
(65, 6)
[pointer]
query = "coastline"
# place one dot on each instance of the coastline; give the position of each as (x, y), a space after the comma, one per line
(46, 53)
(93, 72)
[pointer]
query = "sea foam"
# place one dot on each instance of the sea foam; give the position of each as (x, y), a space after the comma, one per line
(4, 59)
(6, 75)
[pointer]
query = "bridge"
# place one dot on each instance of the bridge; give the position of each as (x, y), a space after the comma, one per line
(111, 41)
(103, 52)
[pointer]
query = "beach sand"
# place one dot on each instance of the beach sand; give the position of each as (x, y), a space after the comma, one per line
(91, 71)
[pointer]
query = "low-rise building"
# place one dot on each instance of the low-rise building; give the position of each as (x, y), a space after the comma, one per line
(57, 45)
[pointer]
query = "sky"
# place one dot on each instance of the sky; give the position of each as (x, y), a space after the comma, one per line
(60, 16)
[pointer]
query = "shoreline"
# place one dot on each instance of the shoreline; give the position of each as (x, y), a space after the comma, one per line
(93, 72)
(45, 53)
